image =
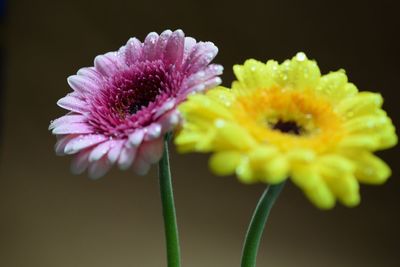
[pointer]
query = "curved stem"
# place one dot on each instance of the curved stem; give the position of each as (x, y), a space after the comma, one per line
(168, 206)
(257, 224)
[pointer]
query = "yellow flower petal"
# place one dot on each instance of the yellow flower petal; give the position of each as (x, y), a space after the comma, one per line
(369, 168)
(276, 170)
(286, 120)
(299, 73)
(307, 178)
(254, 74)
(346, 188)
(231, 136)
(225, 162)
(205, 107)
(364, 103)
(335, 165)
(222, 95)
(335, 86)
(371, 123)
(244, 172)
(192, 140)
(387, 138)
(301, 155)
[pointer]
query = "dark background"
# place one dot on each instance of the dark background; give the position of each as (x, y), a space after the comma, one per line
(50, 218)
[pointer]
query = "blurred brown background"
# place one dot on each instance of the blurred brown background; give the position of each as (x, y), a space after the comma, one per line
(50, 218)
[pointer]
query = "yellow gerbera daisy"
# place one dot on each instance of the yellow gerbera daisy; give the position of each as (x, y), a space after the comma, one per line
(288, 120)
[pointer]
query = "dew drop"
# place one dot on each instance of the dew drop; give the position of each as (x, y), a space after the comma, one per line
(301, 56)
(309, 116)
(219, 123)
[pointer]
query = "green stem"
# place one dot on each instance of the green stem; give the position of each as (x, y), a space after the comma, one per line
(168, 206)
(257, 224)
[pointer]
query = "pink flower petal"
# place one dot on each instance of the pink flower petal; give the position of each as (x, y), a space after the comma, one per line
(151, 151)
(73, 128)
(153, 131)
(97, 169)
(65, 120)
(211, 83)
(174, 50)
(149, 46)
(62, 142)
(136, 138)
(189, 45)
(121, 108)
(99, 151)
(210, 72)
(140, 166)
(82, 84)
(107, 64)
(72, 103)
(83, 141)
(162, 44)
(115, 151)
(201, 55)
(80, 162)
(126, 157)
(91, 73)
(169, 120)
(165, 107)
(132, 51)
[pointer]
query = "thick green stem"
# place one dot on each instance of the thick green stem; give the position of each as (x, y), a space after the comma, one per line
(168, 206)
(257, 224)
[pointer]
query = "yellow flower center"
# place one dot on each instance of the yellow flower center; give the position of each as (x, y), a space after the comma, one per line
(290, 118)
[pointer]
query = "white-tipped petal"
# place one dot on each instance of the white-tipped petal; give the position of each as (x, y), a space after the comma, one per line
(83, 141)
(140, 166)
(99, 151)
(153, 131)
(168, 105)
(126, 157)
(61, 143)
(80, 162)
(136, 138)
(82, 84)
(133, 51)
(152, 151)
(98, 168)
(175, 48)
(115, 151)
(73, 103)
(73, 128)
(107, 64)
(149, 46)
(66, 120)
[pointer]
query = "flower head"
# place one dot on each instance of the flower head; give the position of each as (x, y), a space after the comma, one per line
(288, 120)
(121, 108)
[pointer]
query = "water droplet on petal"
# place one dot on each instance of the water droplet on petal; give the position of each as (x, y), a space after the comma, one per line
(301, 56)
(219, 123)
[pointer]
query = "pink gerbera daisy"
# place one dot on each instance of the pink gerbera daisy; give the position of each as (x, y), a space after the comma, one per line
(121, 108)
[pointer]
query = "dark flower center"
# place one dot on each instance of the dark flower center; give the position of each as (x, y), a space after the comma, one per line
(130, 98)
(289, 127)
(144, 92)
(139, 87)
